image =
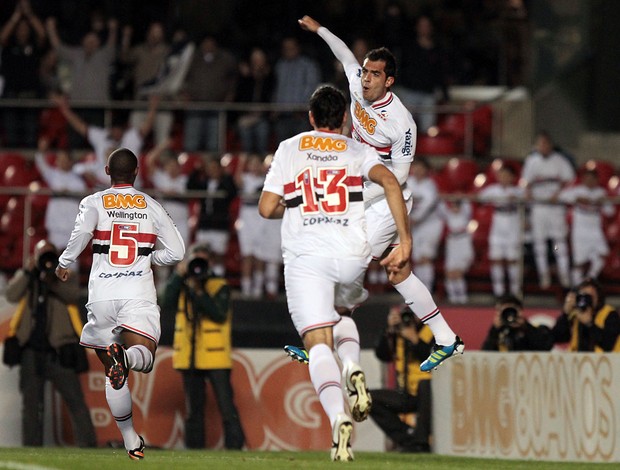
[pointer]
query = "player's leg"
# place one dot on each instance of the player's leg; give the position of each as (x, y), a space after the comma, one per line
(539, 236)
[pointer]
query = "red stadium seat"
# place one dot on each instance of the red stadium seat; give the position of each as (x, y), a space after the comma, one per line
(605, 170)
(441, 144)
(457, 175)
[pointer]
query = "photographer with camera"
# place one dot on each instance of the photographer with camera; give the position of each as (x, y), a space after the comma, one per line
(200, 302)
(511, 331)
(587, 323)
(406, 342)
(44, 339)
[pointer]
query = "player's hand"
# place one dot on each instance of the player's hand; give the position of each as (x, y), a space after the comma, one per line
(62, 273)
(396, 260)
(309, 24)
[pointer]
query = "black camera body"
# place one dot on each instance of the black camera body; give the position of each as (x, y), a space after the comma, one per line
(509, 316)
(197, 268)
(47, 261)
(406, 317)
(584, 301)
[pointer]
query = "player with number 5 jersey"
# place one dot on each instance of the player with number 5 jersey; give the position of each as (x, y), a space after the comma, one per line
(127, 229)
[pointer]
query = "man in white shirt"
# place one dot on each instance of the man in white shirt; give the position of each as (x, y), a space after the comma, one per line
(123, 325)
(315, 185)
(379, 119)
(545, 172)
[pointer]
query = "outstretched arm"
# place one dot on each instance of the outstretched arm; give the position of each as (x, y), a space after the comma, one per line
(80, 126)
(147, 125)
(338, 47)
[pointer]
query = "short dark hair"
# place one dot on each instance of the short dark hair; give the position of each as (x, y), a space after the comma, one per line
(385, 55)
(509, 299)
(122, 164)
(328, 106)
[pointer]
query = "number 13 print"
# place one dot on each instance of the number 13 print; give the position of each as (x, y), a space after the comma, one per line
(335, 198)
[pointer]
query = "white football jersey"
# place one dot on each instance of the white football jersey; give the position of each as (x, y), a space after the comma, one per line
(506, 221)
(386, 124)
(590, 204)
(124, 224)
(546, 175)
(319, 175)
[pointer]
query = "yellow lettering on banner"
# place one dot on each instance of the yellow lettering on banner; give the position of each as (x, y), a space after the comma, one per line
(536, 405)
(323, 144)
(364, 119)
(123, 201)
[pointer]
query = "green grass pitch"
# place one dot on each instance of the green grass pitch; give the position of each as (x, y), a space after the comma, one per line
(102, 459)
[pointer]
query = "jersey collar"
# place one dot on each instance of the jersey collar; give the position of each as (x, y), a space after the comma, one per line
(122, 186)
(387, 99)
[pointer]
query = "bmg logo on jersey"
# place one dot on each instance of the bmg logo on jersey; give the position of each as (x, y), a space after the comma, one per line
(325, 144)
(364, 119)
(123, 201)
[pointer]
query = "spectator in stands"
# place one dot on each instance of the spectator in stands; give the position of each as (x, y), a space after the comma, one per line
(545, 173)
(211, 78)
(589, 246)
(166, 174)
(200, 302)
(46, 328)
(511, 331)
(214, 218)
(426, 223)
(505, 244)
(22, 40)
(90, 65)
(423, 76)
(106, 140)
(405, 343)
(145, 61)
(587, 323)
(256, 84)
(297, 76)
(459, 248)
(61, 210)
(259, 238)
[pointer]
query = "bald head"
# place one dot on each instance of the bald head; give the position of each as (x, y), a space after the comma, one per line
(122, 166)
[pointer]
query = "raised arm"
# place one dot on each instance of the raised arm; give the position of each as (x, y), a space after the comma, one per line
(337, 45)
(34, 21)
(52, 33)
(80, 126)
(9, 26)
(147, 124)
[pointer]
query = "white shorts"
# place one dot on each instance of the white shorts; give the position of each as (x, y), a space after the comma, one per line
(586, 246)
(426, 238)
(504, 248)
(459, 253)
(548, 222)
(314, 285)
(107, 319)
(216, 239)
(381, 228)
(248, 231)
(271, 242)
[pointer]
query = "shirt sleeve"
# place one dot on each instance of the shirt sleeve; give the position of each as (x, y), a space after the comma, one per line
(173, 247)
(351, 67)
(274, 182)
(85, 224)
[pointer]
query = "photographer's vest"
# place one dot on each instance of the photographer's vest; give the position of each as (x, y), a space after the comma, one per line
(599, 321)
(413, 374)
(212, 342)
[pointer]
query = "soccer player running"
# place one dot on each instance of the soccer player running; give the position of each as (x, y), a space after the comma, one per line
(382, 121)
(315, 184)
(123, 317)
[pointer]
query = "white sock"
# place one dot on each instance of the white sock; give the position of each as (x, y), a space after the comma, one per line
(562, 261)
(421, 303)
(246, 286)
(347, 340)
(461, 290)
(426, 274)
(540, 255)
(497, 278)
(451, 290)
(596, 266)
(514, 277)
(258, 284)
(139, 358)
(272, 278)
(325, 376)
(119, 402)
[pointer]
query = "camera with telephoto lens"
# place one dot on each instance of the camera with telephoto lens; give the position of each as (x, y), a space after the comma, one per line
(197, 268)
(47, 262)
(406, 317)
(509, 317)
(584, 301)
